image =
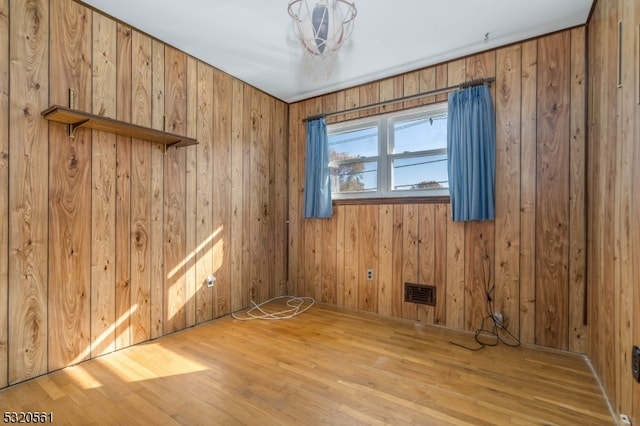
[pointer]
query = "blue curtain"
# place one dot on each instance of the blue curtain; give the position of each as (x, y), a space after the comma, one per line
(317, 187)
(471, 141)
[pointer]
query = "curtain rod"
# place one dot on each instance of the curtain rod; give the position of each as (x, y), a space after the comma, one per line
(436, 92)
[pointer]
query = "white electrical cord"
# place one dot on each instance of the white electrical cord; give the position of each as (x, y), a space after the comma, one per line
(296, 306)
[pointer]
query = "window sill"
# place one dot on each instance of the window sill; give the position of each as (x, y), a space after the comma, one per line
(443, 199)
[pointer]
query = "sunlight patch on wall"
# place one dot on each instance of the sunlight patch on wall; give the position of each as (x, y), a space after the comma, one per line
(197, 252)
(108, 333)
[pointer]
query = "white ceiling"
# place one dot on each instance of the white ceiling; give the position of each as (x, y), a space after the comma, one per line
(253, 40)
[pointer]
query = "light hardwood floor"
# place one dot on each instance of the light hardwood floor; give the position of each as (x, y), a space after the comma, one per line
(326, 366)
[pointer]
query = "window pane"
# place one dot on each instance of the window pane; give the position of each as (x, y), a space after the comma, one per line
(420, 135)
(426, 172)
(354, 177)
(354, 144)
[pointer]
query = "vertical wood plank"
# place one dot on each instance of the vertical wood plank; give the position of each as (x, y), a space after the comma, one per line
(206, 235)
(103, 191)
(339, 216)
(634, 113)
(608, 286)
(409, 257)
(411, 86)
(272, 223)
(614, 205)
(248, 124)
(623, 288)
(316, 246)
(352, 100)
(442, 80)
(368, 257)
(123, 191)
(397, 287)
(426, 256)
(175, 195)
(385, 259)
(552, 194)
(507, 186)
(237, 194)
(28, 190)
(253, 199)
(577, 214)
(479, 280)
(294, 211)
(441, 218)
(280, 197)
(305, 243)
(597, 105)
(69, 191)
(369, 94)
(329, 105)
(528, 135)
(630, 130)
(606, 260)
(391, 89)
(456, 72)
(329, 260)
(266, 250)
(627, 102)
(340, 103)
(191, 129)
(351, 250)
(455, 274)
(4, 191)
(141, 191)
(157, 237)
(387, 93)
(427, 83)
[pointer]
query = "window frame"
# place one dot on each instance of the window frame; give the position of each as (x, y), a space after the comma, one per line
(386, 140)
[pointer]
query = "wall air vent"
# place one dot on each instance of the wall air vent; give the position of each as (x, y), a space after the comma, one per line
(420, 293)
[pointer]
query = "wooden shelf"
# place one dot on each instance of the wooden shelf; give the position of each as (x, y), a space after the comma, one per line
(79, 119)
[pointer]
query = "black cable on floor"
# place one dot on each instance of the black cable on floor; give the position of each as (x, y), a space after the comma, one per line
(496, 332)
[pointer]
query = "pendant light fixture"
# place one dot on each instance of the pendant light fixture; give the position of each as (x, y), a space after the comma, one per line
(322, 26)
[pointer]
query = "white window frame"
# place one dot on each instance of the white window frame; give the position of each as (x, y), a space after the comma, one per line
(385, 124)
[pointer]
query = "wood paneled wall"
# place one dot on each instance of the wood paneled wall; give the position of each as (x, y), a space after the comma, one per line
(107, 241)
(613, 170)
(534, 251)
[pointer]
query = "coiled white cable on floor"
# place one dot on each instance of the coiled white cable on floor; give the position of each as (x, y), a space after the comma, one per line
(295, 306)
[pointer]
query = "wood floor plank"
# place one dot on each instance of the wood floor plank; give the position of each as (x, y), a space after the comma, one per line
(327, 366)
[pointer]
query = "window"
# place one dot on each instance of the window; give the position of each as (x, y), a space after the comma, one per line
(402, 154)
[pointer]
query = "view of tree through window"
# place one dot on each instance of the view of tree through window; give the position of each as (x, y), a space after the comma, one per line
(347, 152)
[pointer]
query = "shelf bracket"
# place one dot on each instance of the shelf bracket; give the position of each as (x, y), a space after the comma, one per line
(169, 145)
(73, 126)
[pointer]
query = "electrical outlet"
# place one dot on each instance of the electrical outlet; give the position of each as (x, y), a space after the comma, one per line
(369, 274)
(635, 363)
(211, 279)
